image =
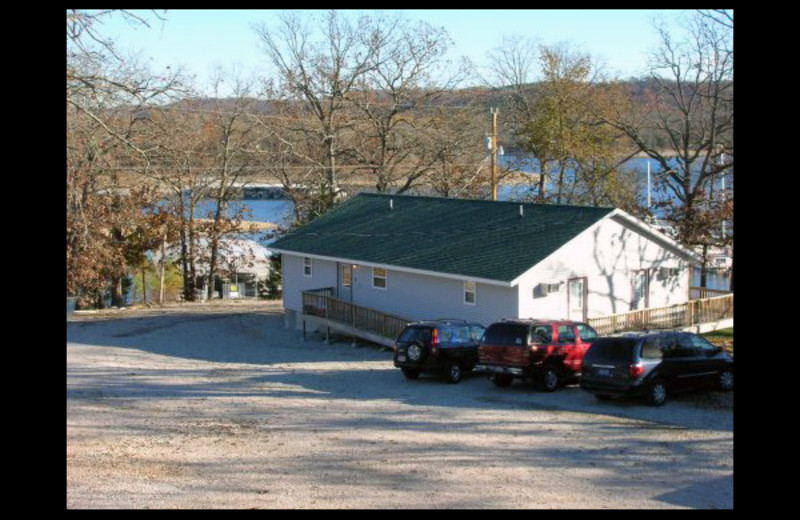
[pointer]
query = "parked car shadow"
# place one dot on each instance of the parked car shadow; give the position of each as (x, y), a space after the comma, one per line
(319, 371)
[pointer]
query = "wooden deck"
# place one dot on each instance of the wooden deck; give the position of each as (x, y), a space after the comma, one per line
(324, 310)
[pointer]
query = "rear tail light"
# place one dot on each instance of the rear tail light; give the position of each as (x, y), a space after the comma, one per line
(637, 370)
(434, 341)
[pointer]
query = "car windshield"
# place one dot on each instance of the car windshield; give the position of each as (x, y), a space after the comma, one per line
(611, 350)
(410, 334)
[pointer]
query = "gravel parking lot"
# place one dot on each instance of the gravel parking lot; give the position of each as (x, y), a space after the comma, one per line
(219, 406)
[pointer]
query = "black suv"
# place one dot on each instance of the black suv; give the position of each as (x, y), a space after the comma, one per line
(448, 347)
(652, 364)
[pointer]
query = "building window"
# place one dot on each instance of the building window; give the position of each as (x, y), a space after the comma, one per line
(379, 278)
(469, 293)
(347, 275)
(307, 267)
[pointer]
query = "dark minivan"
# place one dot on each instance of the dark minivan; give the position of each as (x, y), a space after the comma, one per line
(447, 347)
(652, 364)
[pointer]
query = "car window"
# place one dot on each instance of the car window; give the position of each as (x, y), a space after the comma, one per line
(687, 346)
(611, 350)
(507, 334)
(700, 343)
(476, 332)
(463, 334)
(542, 334)
(566, 334)
(676, 346)
(410, 334)
(586, 333)
(447, 335)
(652, 347)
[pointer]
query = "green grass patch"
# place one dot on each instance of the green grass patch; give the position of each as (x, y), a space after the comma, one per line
(722, 333)
(722, 338)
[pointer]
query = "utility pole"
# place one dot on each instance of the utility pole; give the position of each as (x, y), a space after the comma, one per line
(493, 111)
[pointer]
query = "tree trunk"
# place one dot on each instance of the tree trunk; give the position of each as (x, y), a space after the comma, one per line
(144, 285)
(117, 299)
(163, 262)
(703, 268)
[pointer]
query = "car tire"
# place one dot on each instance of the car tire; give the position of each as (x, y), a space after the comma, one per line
(547, 380)
(656, 393)
(502, 380)
(725, 381)
(453, 372)
(416, 352)
(603, 397)
(410, 373)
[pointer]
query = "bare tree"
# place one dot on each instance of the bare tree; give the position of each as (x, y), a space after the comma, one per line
(104, 93)
(321, 74)
(231, 145)
(555, 120)
(690, 105)
(394, 103)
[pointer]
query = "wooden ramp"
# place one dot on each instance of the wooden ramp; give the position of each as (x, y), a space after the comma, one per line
(323, 311)
(702, 314)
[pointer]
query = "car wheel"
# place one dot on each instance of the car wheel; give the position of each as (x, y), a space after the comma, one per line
(416, 351)
(603, 397)
(502, 380)
(453, 372)
(410, 373)
(656, 393)
(725, 381)
(547, 380)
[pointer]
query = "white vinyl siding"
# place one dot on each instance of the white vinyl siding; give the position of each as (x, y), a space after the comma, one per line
(606, 254)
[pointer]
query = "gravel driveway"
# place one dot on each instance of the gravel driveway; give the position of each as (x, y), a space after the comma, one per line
(219, 406)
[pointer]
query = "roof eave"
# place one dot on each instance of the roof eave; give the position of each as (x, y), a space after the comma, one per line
(462, 277)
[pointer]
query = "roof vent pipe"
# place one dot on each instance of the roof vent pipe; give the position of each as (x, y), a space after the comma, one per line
(391, 203)
(521, 210)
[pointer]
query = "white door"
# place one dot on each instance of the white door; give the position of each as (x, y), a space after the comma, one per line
(640, 289)
(577, 299)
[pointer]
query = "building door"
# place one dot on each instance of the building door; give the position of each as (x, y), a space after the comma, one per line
(346, 282)
(576, 299)
(641, 289)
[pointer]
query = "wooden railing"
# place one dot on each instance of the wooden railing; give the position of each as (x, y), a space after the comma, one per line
(322, 303)
(699, 293)
(677, 316)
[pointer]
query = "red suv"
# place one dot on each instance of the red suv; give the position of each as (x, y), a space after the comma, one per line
(546, 352)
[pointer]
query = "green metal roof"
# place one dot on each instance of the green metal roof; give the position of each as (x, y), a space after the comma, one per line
(470, 238)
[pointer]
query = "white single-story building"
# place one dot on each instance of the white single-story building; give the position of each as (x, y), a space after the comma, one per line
(428, 257)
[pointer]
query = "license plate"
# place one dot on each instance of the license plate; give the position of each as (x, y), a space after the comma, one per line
(602, 372)
(401, 358)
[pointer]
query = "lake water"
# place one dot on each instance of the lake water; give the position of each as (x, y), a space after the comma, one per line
(280, 211)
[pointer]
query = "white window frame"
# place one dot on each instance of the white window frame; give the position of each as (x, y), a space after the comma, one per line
(385, 278)
(474, 292)
(349, 269)
(309, 263)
